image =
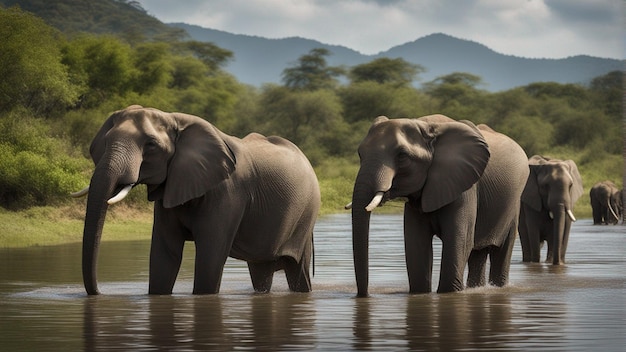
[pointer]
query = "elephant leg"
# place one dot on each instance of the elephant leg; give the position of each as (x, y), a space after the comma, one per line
(418, 249)
(597, 214)
(262, 275)
(476, 267)
(566, 230)
(523, 236)
(298, 272)
(533, 230)
(166, 251)
(500, 260)
(457, 221)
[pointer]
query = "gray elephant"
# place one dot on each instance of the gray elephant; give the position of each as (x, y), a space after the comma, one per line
(547, 208)
(254, 199)
(462, 184)
(606, 203)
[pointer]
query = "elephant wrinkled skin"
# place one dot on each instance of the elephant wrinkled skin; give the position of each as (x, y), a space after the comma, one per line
(254, 199)
(547, 208)
(463, 184)
(606, 203)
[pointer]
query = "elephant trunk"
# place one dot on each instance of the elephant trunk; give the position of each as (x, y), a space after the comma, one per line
(108, 178)
(94, 222)
(368, 193)
(360, 241)
(560, 224)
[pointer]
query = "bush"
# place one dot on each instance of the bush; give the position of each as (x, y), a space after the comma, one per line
(36, 169)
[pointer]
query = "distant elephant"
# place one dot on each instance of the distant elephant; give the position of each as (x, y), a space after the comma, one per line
(606, 203)
(462, 183)
(547, 208)
(254, 199)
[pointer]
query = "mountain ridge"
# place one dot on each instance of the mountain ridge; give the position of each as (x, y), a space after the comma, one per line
(259, 60)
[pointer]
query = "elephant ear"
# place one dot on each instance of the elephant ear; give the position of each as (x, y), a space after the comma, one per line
(530, 195)
(577, 185)
(201, 161)
(460, 157)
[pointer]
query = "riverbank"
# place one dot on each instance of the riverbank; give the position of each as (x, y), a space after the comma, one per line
(48, 226)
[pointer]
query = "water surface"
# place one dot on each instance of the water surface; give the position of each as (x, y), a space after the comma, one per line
(579, 306)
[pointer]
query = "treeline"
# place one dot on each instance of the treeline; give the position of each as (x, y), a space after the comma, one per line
(57, 89)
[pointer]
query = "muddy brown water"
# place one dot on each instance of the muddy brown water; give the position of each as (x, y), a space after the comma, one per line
(578, 306)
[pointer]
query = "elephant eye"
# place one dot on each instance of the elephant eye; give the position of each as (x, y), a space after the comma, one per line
(151, 145)
(402, 157)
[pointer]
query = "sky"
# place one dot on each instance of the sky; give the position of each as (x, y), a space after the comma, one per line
(525, 28)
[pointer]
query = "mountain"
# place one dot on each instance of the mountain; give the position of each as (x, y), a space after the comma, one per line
(124, 18)
(260, 60)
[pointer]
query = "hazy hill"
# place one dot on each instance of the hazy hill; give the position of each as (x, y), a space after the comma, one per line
(261, 60)
(124, 18)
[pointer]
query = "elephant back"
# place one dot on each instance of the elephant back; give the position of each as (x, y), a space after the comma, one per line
(500, 189)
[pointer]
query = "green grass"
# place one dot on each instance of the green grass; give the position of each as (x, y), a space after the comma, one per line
(46, 226)
(42, 226)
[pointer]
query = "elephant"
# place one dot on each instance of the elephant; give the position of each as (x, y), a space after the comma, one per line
(255, 199)
(461, 183)
(546, 214)
(606, 203)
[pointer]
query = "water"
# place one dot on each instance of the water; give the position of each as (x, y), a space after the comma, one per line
(579, 306)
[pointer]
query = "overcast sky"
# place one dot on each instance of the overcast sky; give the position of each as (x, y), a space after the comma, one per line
(527, 28)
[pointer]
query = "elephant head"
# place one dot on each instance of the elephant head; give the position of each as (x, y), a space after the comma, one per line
(430, 161)
(553, 187)
(147, 146)
(606, 203)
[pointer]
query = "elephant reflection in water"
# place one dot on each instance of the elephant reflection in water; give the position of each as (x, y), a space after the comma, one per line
(471, 321)
(200, 323)
(435, 323)
(606, 203)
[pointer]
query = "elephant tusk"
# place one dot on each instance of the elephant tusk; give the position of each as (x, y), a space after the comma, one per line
(375, 201)
(551, 215)
(571, 215)
(348, 206)
(608, 203)
(121, 195)
(80, 193)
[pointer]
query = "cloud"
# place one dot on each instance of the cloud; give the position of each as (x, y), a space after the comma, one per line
(530, 28)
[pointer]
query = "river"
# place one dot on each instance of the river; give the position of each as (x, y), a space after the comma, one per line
(578, 306)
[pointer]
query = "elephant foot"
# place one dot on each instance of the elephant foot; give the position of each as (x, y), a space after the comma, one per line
(297, 276)
(262, 275)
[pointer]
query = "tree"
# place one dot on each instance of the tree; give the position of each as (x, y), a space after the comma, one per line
(301, 116)
(457, 96)
(210, 54)
(30, 65)
(607, 93)
(103, 65)
(396, 72)
(311, 72)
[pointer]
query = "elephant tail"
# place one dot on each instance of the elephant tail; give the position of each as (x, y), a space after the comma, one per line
(313, 253)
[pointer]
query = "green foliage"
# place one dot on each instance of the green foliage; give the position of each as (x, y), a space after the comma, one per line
(456, 95)
(36, 168)
(103, 66)
(30, 65)
(312, 72)
(80, 80)
(124, 18)
(396, 72)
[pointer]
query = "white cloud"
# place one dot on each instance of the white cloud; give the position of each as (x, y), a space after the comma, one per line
(530, 28)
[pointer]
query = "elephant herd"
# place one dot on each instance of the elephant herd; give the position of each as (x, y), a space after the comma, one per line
(257, 199)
